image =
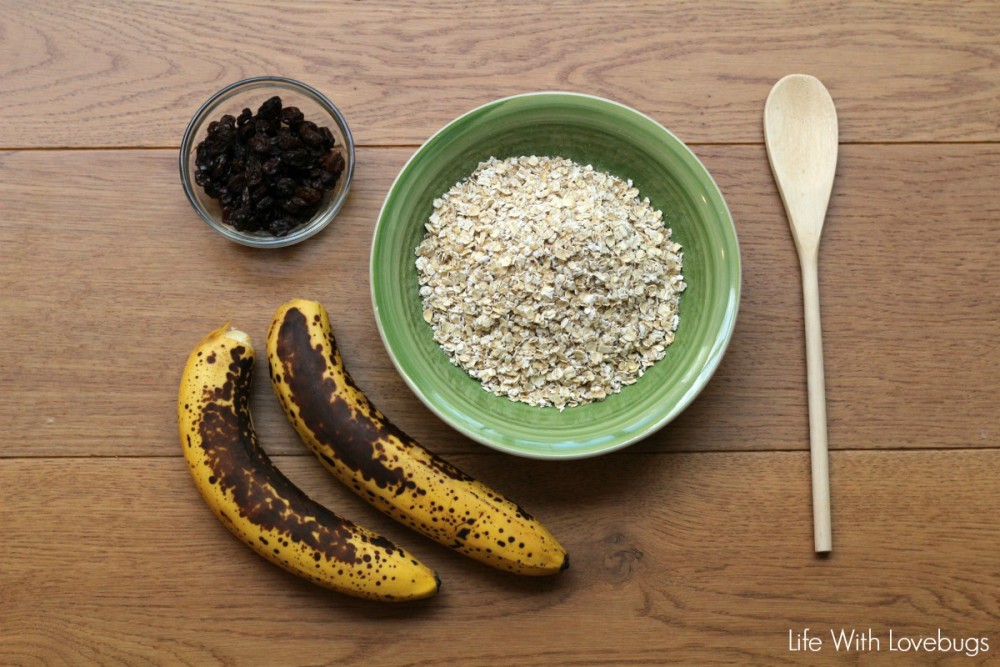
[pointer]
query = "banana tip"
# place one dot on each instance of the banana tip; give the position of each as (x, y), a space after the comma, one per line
(237, 335)
(226, 331)
(565, 564)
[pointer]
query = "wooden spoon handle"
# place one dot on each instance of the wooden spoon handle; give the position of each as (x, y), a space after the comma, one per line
(822, 532)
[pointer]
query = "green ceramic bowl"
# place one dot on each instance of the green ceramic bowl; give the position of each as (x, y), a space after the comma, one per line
(613, 138)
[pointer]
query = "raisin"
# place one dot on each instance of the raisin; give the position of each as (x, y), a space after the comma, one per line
(297, 157)
(238, 217)
(328, 140)
(216, 148)
(285, 186)
(258, 192)
(287, 142)
(309, 196)
(268, 170)
(281, 226)
(332, 163)
(260, 144)
(311, 137)
(292, 116)
(253, 222)
(327, 180)
(270, 109)
(220, 168)
(271, 166)
(238, 180)
(264, 126)
(225, 133)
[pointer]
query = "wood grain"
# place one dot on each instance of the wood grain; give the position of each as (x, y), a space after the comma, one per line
(107, 279)
(692, 547)
(683, 558)
(132, 74)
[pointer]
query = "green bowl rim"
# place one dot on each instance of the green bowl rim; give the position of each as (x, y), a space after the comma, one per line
(719, 345)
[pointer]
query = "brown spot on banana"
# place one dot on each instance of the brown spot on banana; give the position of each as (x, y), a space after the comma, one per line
(261, 506)
(386, 467)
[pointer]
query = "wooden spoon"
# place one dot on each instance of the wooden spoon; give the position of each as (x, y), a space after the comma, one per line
(800, 130)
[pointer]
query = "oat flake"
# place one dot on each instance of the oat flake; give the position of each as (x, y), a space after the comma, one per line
(548, 281)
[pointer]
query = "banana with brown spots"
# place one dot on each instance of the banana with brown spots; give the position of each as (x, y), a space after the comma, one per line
(386, 467)
(258, 504)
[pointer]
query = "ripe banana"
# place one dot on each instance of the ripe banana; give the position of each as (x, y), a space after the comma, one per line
(386, 467)
(260, 505)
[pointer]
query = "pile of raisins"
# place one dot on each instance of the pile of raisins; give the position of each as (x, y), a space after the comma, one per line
(268, 170)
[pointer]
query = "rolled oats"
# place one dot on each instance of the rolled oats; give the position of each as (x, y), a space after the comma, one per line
(550, 282)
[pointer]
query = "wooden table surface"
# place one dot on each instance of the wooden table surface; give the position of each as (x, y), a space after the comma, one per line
(692, 547)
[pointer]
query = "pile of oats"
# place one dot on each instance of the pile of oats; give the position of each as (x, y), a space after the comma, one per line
(548, 281)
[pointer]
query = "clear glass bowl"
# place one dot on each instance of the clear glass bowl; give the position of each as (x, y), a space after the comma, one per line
(251, 93)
